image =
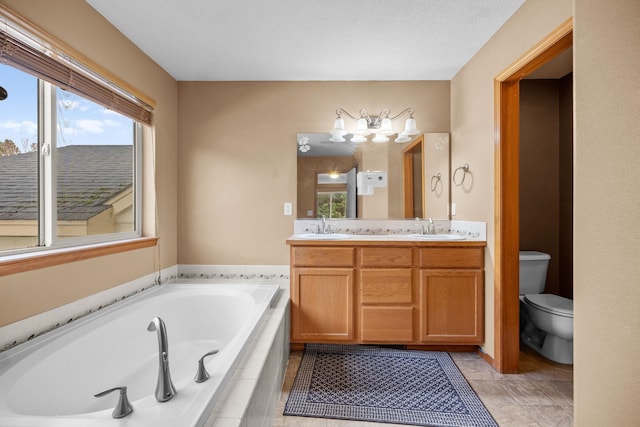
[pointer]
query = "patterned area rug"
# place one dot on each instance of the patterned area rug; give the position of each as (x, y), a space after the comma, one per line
(384, 385)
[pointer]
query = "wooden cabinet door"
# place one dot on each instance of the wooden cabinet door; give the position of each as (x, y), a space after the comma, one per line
(451, 306)
(322, 305)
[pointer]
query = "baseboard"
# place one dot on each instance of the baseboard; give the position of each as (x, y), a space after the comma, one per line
(450, 348)
(486, 357)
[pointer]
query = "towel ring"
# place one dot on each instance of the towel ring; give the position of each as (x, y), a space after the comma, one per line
(437, 179)
(464, 168)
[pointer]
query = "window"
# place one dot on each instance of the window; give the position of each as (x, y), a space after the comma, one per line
(331, 194)
(68, 167)
(70, 146)
(332, 204)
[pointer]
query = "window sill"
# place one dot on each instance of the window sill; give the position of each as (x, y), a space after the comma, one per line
(34, 261)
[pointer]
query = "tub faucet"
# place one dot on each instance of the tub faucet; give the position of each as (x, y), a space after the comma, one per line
(165, 389)
(123, 407)
(202, 375)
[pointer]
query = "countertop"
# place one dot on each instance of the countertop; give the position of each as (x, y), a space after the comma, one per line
(383, 239)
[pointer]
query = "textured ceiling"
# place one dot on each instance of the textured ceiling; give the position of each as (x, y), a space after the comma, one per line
(309, 39)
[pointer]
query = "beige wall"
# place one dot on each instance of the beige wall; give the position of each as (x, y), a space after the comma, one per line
(237, 156)
(607, 210)
(472, 122)
(78, 25)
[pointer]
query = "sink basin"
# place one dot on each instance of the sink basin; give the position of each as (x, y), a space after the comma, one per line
(437, 237)
(332, 236)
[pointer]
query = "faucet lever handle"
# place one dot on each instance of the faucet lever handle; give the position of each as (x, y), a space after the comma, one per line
(202, 375)
(123, 407)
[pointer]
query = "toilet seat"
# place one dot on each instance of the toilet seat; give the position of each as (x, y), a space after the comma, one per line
(550, 303)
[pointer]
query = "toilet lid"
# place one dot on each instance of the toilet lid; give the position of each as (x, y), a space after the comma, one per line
(551, 303)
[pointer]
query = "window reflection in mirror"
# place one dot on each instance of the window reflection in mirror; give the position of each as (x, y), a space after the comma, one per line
(335, 194)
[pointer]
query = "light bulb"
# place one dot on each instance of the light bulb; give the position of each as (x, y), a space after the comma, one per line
(380, 138)
(410, 127)
(338, 127)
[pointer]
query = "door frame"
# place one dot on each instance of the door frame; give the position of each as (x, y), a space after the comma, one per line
(408, 171)
(507, 193)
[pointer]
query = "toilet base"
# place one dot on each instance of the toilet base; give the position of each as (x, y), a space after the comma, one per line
(550, 346)
(557, 349)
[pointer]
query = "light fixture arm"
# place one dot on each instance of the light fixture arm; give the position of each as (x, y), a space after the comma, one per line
(340, 111)
(406, 110)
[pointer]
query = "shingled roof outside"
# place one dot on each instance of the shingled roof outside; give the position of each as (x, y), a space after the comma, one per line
(88, 176)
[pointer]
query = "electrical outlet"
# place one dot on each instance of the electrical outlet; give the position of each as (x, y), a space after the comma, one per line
(288, 208)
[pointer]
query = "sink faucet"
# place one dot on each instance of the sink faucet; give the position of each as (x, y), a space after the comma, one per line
(431, 227)
(165, 389)
(325, 228)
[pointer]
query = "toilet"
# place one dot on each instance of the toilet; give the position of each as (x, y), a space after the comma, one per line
(546, 320)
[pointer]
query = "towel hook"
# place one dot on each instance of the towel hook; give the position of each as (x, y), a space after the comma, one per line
(465, 169)
(437, 177)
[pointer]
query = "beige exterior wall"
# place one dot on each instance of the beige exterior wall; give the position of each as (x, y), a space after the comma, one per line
(607, 207)
(78, 25)
(472, 123)
(237, 156)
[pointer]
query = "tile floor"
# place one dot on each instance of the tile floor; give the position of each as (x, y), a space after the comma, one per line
(541, 395)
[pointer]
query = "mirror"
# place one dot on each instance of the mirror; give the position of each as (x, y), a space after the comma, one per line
(373, 181)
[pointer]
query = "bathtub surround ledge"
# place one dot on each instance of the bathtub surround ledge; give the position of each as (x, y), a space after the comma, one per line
(251, 397)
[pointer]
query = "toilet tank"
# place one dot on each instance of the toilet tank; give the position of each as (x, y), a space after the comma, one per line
(533, 271)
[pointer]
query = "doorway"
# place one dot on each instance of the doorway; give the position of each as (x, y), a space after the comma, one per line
(507, 193)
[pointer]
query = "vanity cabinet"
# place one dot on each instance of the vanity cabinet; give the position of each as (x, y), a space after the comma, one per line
(399, 292)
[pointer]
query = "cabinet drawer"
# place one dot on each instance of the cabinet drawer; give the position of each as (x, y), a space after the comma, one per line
(451, 257)
(385, 286)
(322, 257)
(386, 324)
(386, 257)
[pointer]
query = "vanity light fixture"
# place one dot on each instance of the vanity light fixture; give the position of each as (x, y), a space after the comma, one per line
(379, 125)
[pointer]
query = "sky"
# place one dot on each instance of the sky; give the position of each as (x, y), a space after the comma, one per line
(80, 122)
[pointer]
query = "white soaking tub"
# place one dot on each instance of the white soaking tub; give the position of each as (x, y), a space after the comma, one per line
(52, 379)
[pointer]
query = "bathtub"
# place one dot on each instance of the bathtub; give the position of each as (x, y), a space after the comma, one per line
(52, 379)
